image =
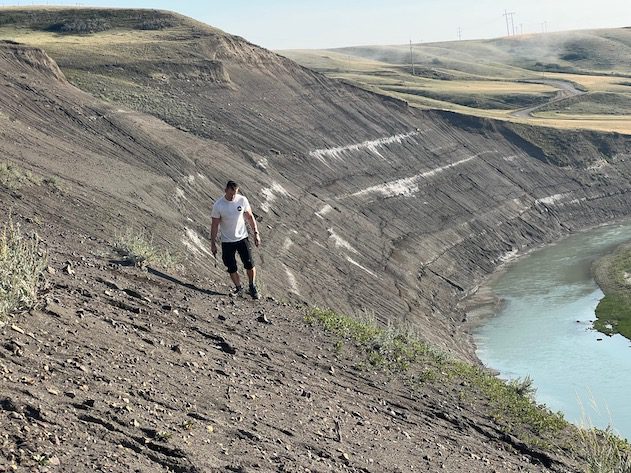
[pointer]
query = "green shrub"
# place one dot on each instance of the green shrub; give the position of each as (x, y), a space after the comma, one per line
(21, 268)
(80, 26)
(390, 347)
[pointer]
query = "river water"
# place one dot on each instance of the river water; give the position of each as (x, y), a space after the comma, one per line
(543, 330)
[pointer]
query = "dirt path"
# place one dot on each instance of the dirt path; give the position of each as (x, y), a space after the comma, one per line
(566, 90)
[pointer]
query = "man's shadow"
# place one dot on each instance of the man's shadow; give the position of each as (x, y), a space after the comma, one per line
(174, 280)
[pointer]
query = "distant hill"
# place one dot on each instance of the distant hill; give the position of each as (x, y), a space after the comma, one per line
(497, 76)
(604, 51)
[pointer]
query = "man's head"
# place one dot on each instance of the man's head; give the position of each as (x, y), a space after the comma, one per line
(231, 190)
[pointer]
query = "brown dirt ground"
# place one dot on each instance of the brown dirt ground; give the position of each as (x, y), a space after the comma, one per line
(129, 370)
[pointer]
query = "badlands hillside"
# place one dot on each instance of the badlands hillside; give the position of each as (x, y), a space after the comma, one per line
(121, 120)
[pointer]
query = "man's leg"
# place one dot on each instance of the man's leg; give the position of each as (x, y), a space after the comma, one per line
(245, 253)
(251, 275)
(236, 279)
(228, 255)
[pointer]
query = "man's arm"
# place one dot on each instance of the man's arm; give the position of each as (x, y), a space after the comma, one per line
(214, 228)
(249, 218)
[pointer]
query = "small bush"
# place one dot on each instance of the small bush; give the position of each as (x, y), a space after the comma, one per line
(13, 177)
(156, 24)
(138, 249)
(523, 387)
(21, 268)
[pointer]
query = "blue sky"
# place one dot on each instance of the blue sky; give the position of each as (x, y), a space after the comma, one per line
(286, 24)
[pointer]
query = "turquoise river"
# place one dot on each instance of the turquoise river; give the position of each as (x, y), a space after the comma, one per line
(542, 329)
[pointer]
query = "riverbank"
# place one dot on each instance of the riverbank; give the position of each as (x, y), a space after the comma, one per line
(613, 275)
(544, 329)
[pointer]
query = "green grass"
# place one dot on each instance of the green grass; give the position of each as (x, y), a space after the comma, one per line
(137, 248)
(401, 351)
(510, 403)
(613, 274)
(21, 267)
(605, 452)
(386, 348)
(513, 403)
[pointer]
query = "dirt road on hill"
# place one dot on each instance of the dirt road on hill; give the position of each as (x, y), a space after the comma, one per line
(566, 90)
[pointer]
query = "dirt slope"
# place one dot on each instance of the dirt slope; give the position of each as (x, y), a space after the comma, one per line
(124, 370)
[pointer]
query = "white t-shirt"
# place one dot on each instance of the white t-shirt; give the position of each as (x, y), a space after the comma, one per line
(232, 224)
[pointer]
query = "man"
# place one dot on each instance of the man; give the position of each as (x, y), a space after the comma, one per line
(230, 213)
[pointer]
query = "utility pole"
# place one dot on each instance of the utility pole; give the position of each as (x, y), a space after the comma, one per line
(459, 34)
(521, 28)
(506, 16)
(412, 59)
(512, 22)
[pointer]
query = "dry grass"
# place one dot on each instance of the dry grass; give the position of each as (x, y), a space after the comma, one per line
(605, 452)
(13, 177)
(21, 268)
(137, 248)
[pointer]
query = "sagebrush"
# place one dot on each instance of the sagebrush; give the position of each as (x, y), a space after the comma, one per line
(22, 264)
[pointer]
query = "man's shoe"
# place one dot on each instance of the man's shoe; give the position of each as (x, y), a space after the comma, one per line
(237, 292)
(254, 292)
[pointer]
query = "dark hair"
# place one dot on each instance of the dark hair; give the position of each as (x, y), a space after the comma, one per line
(232, 185)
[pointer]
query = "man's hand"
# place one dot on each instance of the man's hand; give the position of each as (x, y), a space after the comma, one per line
(257, 239)
(213, 248)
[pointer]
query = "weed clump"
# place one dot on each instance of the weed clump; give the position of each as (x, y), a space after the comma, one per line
(605, 452)
(388, 347)
(21, 267)
(137, 248)
(14, 178)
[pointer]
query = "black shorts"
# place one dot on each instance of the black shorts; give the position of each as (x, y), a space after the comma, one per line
(229, 251)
